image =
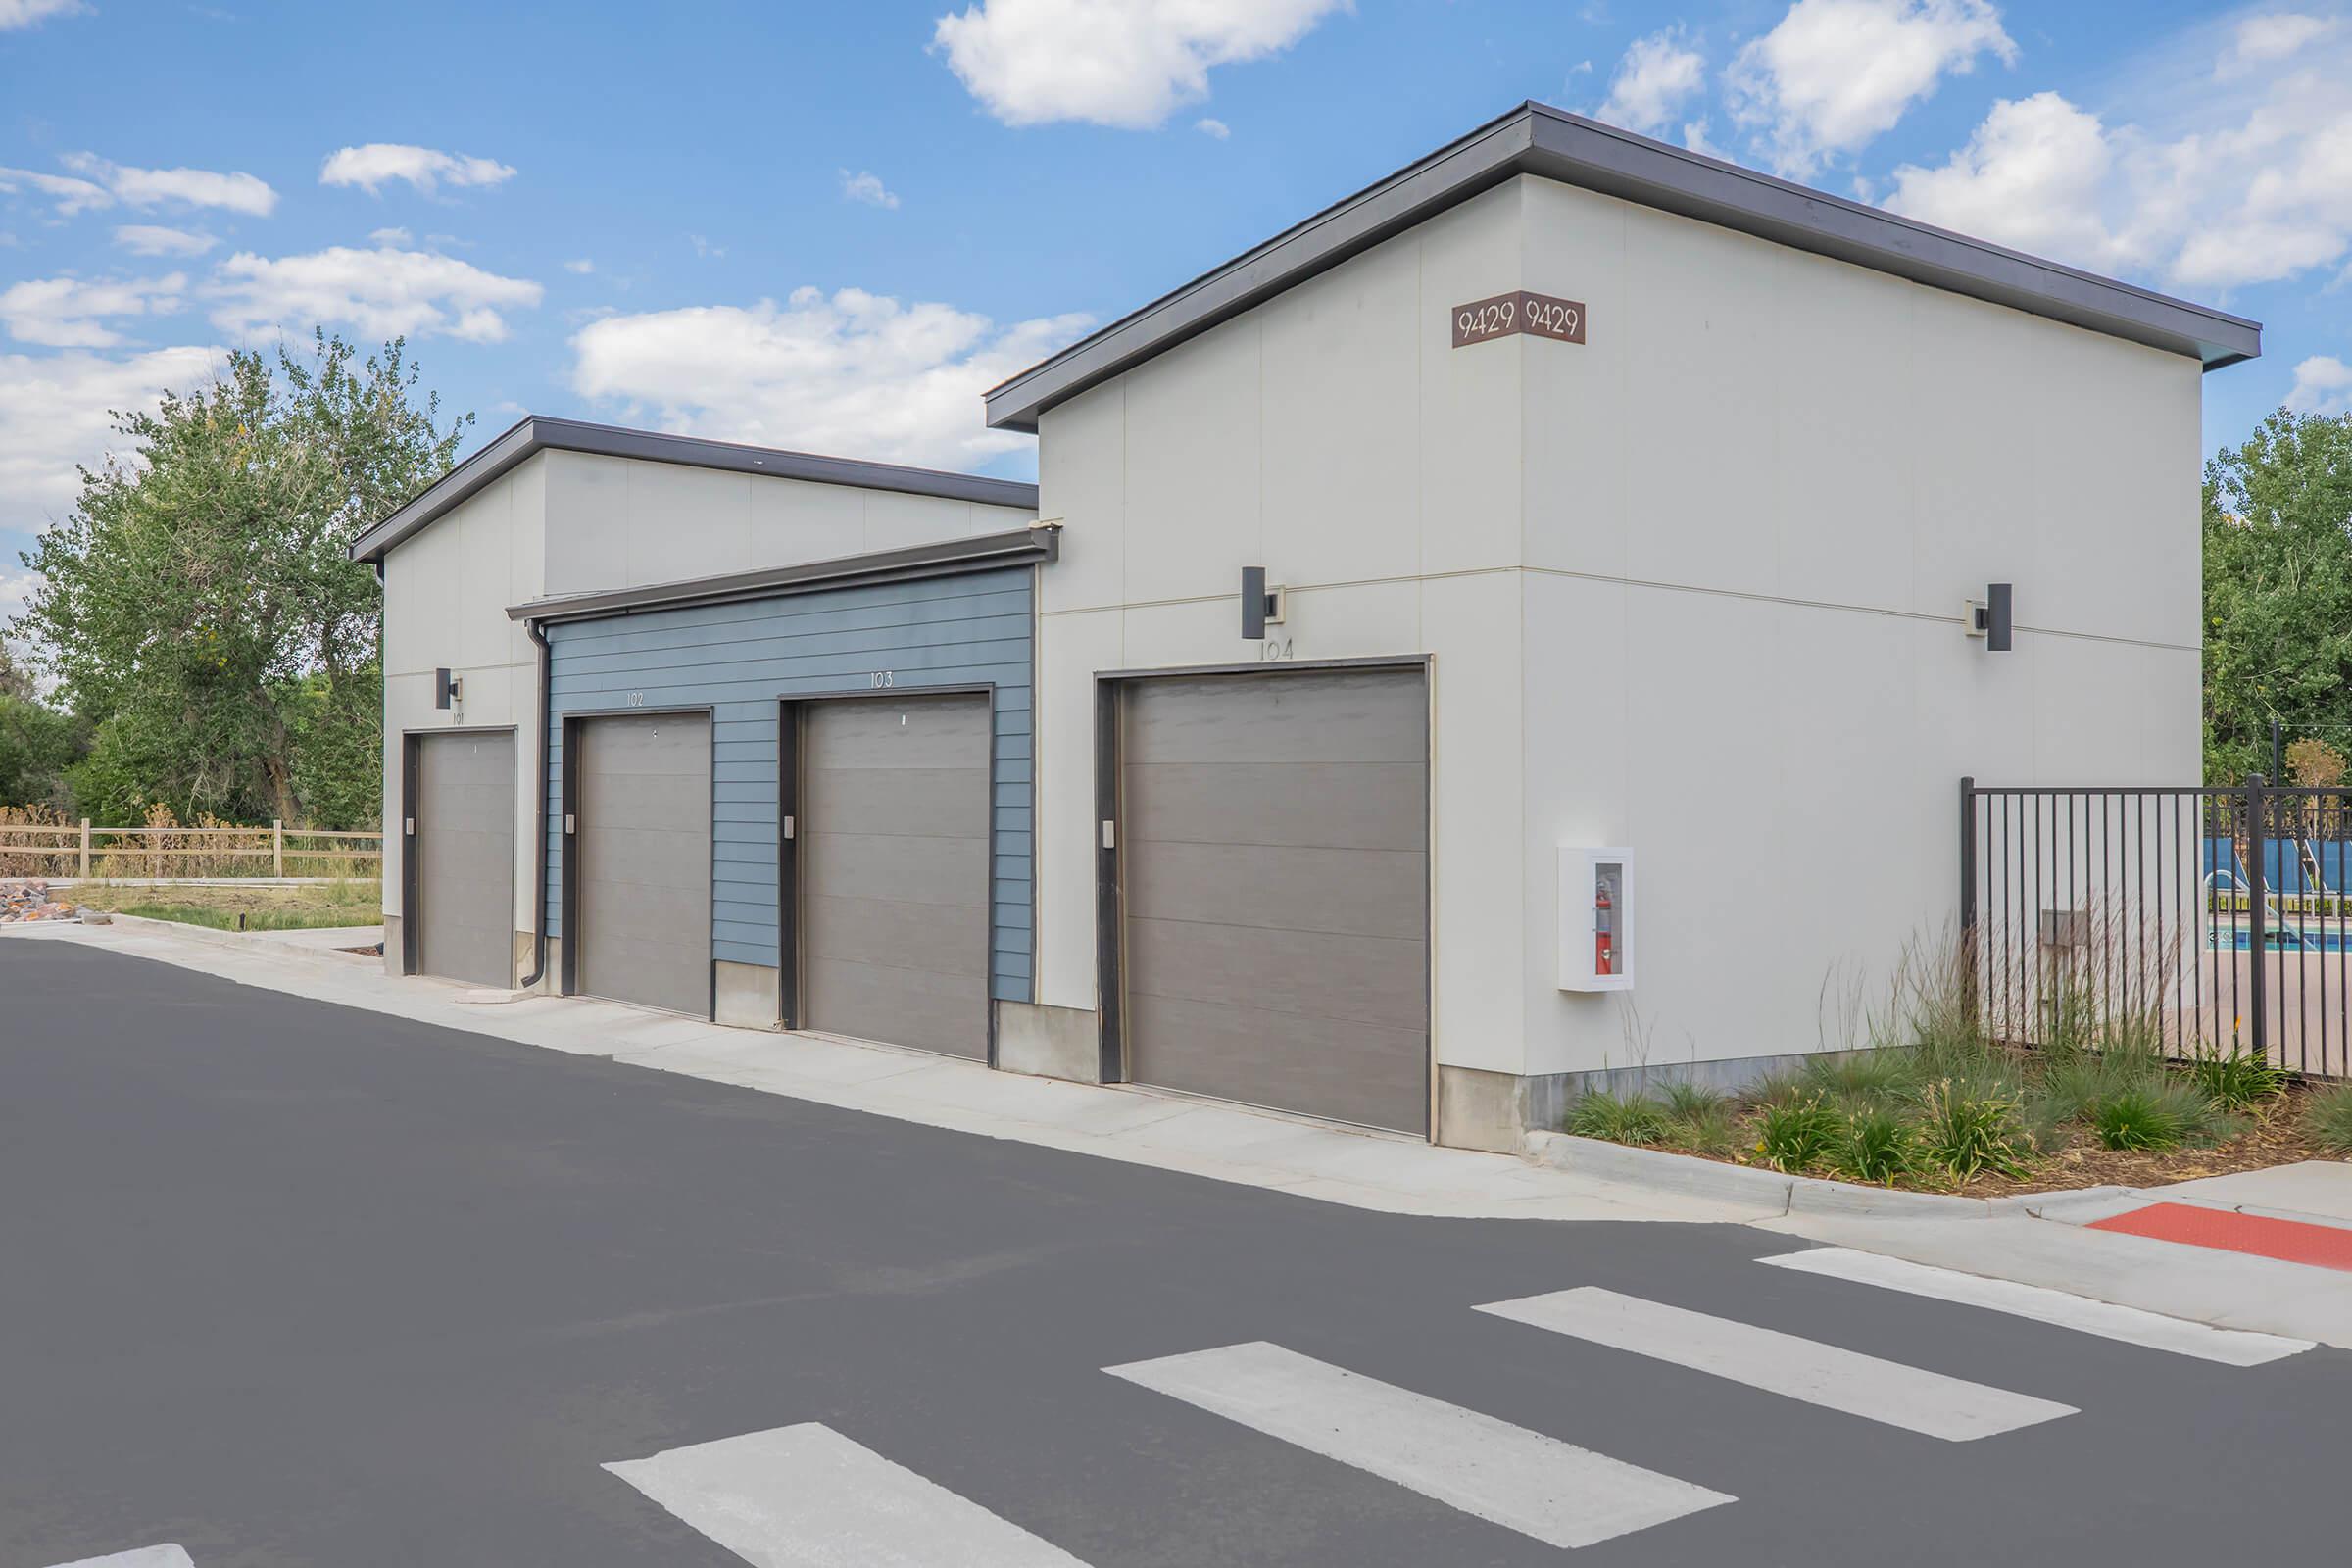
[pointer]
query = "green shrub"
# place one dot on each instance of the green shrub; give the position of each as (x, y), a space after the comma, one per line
(2328, 1118)
(1965, 1134)
(1634, 1119)
(1779, 1089)
(1795, 1135)
(1873, 1146)
(2237, 1079)
(1689, 1102)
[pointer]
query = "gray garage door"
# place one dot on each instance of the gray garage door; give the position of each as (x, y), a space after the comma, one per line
(1275, 833)
(465, 848)
(642, 894)
(893, 869)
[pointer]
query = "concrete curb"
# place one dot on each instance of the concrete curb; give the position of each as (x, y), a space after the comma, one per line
(1783, 1194)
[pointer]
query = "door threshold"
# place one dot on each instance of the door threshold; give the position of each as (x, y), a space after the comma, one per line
(1297, 1118)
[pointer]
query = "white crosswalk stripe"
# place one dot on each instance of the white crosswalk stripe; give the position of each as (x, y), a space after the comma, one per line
(2230, 1347)
(166, 1556)
(1820, 1374)
(806, 1497)
(1536, 1485)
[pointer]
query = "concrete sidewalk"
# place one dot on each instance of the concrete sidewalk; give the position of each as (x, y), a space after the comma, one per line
(1138, 1126)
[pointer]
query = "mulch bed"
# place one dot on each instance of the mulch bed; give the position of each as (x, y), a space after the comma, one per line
(2274, 1135)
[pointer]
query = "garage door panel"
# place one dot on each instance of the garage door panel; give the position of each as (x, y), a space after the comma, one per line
(909, 731)
(901, 1006)
(893, 869)
(1309, 717)
(949, 802)
(1346, 1071)
(465, 918)
(897, 865)
(952, 939)
(644, 885)
(1378, 980)
(1275, 881)
(1351, 892)
(1373, 805)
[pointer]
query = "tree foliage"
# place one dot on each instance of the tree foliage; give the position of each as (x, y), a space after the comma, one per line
(200, 604)
(2277, 591)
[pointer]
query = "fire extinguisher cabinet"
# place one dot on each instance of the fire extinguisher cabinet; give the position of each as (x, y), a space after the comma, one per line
(1597, 906)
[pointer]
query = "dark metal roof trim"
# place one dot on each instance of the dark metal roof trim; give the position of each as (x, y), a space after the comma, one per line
(1538, 139)
(539, 433)
(1037, 545)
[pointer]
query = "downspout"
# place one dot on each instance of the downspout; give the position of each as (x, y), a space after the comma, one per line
(537, 632)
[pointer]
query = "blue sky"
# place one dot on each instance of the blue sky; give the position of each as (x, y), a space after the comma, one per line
(830, 226)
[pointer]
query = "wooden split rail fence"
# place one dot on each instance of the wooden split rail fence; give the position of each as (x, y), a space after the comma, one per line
(69, 850)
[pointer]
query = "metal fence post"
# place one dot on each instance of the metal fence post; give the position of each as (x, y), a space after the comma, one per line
(1968, 896)
(278, 848)
(2258, 956)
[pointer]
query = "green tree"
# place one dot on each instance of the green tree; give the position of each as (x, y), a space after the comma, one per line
(200, 606)
(38, 743)
(2277, 591)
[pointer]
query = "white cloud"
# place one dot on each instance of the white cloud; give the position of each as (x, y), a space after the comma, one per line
(1121, 62)
(850, 373)
(2033, 177)
(177, 187)
(70, 312)
(394, 235)
(1657, 74)
(379, 162)
(15, 13)
(68, 196)
(1212, 128)
(704, 249)
(2322, 385)
(53, 417)
(152, 239)
(1834, 74)
(2276, 37)
(867, 187)
(2245, 184)
(580, 264)
(382, 293)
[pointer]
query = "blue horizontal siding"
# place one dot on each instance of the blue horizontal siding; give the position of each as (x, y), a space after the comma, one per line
(740, 659)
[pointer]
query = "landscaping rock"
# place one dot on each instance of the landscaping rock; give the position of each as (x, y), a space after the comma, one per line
(24, 899)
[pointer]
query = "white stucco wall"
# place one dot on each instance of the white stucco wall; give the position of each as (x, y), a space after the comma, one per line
(1775, 478)
(1693, 586)
(563, 522)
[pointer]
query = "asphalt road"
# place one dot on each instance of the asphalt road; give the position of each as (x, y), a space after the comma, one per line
(285, 1284)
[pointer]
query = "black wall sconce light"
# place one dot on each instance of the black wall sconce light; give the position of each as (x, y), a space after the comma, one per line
(1260, 604)
(1988, 618)
(447, 688)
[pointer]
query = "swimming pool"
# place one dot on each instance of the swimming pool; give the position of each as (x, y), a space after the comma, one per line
(2334, 937)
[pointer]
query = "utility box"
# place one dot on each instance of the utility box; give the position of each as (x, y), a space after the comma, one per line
(1596, 901)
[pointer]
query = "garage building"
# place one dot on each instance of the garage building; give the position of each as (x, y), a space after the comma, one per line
(683, 706)
(1514, 628)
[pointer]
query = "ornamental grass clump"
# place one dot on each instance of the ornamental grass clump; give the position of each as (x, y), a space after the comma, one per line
(1961, 1133)
(1875, 1145)
(1700, 1118)
(1793, 1135)
(2328, 1117)
(2237, 1079)
(1633, 1118)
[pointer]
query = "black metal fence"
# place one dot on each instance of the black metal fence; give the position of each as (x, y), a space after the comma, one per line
(2218, 918)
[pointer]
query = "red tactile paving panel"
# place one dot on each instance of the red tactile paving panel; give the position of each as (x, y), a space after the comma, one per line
(2290, 1241)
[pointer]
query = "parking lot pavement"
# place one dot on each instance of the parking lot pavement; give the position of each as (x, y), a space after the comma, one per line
(297, 1284)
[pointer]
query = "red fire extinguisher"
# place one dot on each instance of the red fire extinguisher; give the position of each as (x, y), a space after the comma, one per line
(1604, 942)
